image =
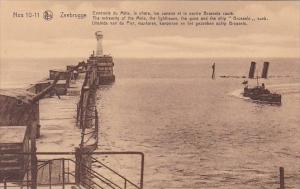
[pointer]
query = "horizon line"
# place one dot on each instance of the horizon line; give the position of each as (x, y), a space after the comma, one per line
(116, 57)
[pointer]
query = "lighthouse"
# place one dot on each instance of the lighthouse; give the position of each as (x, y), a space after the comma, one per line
(104, 63)
(99, 49)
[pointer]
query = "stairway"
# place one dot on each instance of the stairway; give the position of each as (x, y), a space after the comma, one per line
(11, 165)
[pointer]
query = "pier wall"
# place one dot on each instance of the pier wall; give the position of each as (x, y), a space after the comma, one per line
(105, 70)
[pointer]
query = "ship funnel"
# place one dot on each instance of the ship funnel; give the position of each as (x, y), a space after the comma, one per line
(99, 49)
(252, 70)
(265, 69)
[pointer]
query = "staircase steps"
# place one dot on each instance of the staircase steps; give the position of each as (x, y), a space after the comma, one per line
(11, 165)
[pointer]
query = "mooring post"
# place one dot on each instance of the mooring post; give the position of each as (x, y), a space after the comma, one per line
(281, 171)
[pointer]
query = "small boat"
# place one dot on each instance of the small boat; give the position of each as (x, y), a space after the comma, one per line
(261, 94)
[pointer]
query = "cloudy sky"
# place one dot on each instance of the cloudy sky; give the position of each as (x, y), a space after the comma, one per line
(277, 37)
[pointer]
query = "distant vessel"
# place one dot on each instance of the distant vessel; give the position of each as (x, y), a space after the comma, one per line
(260, 93)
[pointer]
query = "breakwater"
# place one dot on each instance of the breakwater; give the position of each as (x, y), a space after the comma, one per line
(59, 124)
(51, 130)
(23, 110)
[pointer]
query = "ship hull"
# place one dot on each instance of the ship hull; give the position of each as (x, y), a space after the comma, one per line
(262, 95)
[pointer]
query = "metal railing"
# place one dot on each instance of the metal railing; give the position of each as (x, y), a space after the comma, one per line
(126, 181)
(87, 115)
(66, 173)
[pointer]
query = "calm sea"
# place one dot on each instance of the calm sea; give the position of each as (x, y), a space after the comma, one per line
(195, 132)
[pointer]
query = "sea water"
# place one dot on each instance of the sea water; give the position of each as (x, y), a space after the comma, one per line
(195, 132)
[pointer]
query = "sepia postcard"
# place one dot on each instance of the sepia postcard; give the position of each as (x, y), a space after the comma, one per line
(150, 94)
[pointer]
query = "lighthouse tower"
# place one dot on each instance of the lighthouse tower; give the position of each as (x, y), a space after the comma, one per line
(104, 63)
(99, 49)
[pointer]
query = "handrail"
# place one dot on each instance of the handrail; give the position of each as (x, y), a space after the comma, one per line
(125, 179)
(14, 181)
(84, 106)
(97, 175)
(90, 180)
(73, 153)
(100, 177)
(48, 162)
(92, 153)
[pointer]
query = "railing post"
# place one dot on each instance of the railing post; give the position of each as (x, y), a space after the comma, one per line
(125, 183)
(27, 177)
(281, 171)
(96, 125)
(68, 172)
(33, 158)
(63, 173)
(81, 121)
(50, 172)
(142, 172)
(5, 184)
(77, 165)
(77, 114)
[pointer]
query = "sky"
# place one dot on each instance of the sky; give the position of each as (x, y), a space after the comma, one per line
(277, 37)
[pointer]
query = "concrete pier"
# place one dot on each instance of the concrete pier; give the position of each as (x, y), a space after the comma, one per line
(63, 108)
(58, 119)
